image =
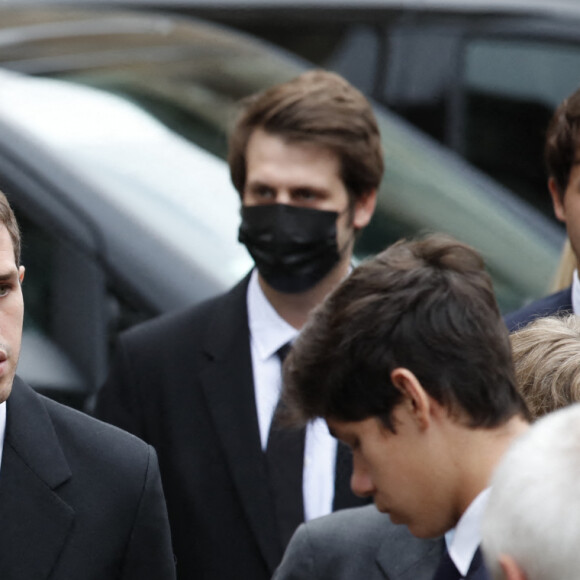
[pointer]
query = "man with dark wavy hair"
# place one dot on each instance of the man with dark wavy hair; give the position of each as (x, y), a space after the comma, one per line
(562, 157)
(409, 363)
(202, 385)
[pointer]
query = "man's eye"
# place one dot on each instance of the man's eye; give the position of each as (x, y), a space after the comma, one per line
(305, 194)
(4, 289)
(262, 192)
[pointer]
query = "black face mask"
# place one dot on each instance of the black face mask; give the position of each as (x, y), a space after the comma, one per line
(293, 247)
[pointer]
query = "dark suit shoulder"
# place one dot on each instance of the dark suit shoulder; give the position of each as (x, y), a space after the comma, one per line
(557, 303)
(339, 546)
(341, 540)
(95, 492)
(153, 382)
(364, 526)
(366, 523)
(357, 543)
(192, 322)
(97, 451)
(175, 322)
(95, 440)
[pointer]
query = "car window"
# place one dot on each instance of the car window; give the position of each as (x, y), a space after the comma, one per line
(180, 192)
(515, 83)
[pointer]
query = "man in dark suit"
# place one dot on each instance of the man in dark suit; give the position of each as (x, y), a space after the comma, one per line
(78, 498)
(409, 363)
(562, 156)
(202, 385)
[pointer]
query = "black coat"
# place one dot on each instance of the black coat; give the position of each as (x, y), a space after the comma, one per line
(183, 383)
(557, 303)
(79, 499)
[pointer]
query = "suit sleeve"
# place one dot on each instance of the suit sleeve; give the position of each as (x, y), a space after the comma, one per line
(149, 555)
(298, 562)
(118, 401)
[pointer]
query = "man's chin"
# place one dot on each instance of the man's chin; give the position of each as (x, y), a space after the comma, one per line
(395, 518)
(423, 531)
(5, 390)
(383, 509)
(418, 530)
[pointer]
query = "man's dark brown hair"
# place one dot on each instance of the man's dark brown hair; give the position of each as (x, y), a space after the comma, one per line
(318, 108)
(425, 305)
(563, 141)
(8, 220)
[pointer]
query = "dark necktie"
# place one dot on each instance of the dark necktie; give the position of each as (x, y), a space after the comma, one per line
(447, 570)
(285, 457)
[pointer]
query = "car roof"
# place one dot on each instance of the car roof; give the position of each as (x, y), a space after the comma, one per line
(516, 7)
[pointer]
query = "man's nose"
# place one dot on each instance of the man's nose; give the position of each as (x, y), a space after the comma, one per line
(283, 197)
(360, 481)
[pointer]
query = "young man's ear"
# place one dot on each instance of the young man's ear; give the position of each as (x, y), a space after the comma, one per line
(510, 569)
(557, 200)
(416, 399)
(364, 207)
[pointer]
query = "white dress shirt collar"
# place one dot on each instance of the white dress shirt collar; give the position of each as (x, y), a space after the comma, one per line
(575, 293)
(269, 331)
(464, 539)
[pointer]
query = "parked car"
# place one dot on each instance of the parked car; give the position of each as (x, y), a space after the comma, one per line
(112, 138)
(481, 76)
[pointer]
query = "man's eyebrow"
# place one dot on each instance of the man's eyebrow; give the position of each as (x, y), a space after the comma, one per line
(313, 188)
(258, 183)
(7, 275)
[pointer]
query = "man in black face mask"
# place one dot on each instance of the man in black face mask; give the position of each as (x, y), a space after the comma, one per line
(202, 386)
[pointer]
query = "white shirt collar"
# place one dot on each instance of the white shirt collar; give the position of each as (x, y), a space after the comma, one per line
(2, 428)
(464, 539)
(575, 293)
(269, 331)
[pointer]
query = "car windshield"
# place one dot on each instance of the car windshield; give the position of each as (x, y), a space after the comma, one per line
(177, 190)
(147, 106)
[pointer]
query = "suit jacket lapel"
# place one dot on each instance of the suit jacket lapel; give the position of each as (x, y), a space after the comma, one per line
(35, 521)
(402, 556)
(228, 385)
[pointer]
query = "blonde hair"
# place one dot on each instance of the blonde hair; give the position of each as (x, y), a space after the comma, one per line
(547, 362)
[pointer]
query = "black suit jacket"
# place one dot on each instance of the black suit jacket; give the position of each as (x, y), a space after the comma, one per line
(79, 499)
(557, 303)
(183, 383)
